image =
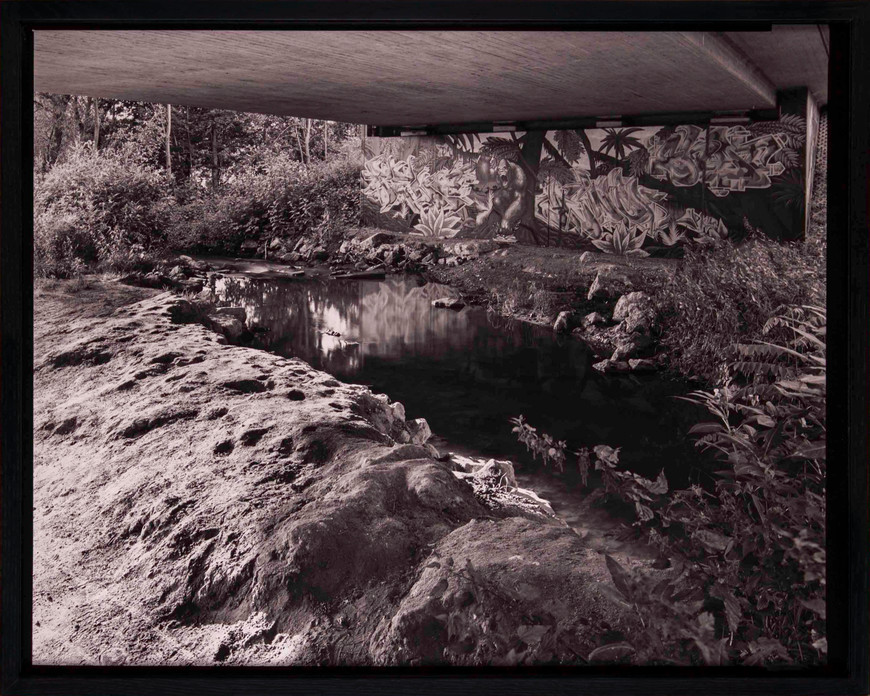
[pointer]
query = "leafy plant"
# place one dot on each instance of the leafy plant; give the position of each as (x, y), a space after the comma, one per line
(622, 241)
(570, 145)
(619, 141)
(92, 207)
(746, 582)
(723, 294)
(501, 148)
(434, 223)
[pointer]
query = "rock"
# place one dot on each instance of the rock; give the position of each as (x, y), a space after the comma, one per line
(564, 322)
(248, 508)
(630, 346)
(636, 311)
(192, 285)
(511, 554)
(419, 431)
(237, 312)
(319, 253)
(594, 319)
(609, 283)
(501, 470)
(398, 411)
(611, 366)
(448, 303)
(375, 240)
(227, 324)
(275, 243)
(451, 261)
(643, 365)
(157, 280)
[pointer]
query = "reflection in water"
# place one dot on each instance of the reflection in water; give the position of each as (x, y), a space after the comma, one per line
(467, 372)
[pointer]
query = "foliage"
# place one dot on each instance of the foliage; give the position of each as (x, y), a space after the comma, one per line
(570, 145)
(501, 148)
(282, 198)
(746, 582)
(723, 294)
(620, 141)
(434, 223)
(705, 228)
(522, 297)
(97, 208)
(622, 241)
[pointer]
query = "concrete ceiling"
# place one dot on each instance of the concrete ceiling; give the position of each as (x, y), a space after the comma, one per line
(435, 77)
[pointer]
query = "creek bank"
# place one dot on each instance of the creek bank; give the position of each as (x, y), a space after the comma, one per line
(198, 503)
(604, 300)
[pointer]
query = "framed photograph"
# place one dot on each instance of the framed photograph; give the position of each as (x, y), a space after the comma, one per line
(357, 347)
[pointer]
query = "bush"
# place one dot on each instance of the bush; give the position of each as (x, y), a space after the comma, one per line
(280, 199)
(724, 294)
(746, 582)
(93, 208)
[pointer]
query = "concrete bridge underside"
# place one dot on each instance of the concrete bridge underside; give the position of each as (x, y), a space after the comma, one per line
(410, 78)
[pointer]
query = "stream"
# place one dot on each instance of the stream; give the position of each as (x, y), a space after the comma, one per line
(468, 371)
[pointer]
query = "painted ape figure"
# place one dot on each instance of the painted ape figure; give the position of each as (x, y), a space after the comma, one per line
(506, 183)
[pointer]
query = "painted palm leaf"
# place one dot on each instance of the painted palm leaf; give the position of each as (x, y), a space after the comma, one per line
(569, 144)
(619, 141)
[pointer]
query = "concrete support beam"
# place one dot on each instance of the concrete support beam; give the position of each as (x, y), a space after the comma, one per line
(719, 49)
(799, 102)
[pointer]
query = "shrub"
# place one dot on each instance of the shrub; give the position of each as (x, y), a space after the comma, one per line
(93, 208)
(747, 577)
(281, 198)
(723, 294)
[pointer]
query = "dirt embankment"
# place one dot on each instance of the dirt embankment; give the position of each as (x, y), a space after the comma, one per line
(198, 503)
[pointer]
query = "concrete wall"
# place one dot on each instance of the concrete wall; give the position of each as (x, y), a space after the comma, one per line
(635, 190)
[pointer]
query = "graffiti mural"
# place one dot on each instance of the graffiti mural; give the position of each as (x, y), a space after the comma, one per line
(630, 191)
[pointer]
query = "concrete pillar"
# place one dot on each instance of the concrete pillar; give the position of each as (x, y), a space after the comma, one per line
(800, 102)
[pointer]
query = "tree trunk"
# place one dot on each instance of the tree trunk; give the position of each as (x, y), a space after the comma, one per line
(299, 142)
(168, 139)
(189, 146)
(590, 153)
(96, 123)
(307, 141)
(215, 161)
(533, 143)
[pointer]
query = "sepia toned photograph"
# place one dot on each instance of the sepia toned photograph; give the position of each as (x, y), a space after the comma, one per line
(413, 348)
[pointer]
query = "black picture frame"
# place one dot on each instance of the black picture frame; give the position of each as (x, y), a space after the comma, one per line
(848, 294)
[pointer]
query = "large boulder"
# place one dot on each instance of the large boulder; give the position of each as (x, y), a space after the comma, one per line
(419, 431)
(448, 303)
(610, 282)
(631, 346)
(564, 323)
(373, 241)
(228, 325)
(637, 312)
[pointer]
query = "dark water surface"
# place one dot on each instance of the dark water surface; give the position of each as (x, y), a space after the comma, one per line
(467, 372)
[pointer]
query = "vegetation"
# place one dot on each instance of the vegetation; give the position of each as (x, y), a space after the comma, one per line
(724, 293)
(746, 581)
(117, 183)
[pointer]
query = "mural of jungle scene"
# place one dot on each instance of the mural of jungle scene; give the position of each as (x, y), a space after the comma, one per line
(627, 191)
